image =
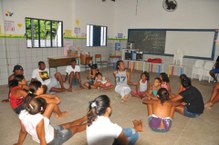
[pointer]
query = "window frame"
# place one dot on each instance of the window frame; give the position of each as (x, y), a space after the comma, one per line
(38, 42)
(90, 36)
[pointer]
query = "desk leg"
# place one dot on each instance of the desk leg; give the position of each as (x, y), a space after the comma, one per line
(168, 71)
(172, 70)
(159, 70)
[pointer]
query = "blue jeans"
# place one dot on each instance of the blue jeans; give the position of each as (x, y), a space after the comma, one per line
(190, 114)
(131, 135)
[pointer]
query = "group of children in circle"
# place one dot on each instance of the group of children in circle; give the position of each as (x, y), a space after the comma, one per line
(161, 104)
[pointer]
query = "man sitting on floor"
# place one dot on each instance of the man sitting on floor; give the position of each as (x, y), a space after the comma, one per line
(193, 104)
(73, 71)
(42, 74)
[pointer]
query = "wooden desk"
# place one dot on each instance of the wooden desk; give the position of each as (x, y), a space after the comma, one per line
(55, 62)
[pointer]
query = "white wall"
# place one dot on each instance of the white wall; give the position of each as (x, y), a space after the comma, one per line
(43, 9)
(190, 14)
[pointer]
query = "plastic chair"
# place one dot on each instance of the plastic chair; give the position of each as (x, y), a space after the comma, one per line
(197, 69)
(99, 61)
(178, 57)
(205, 71)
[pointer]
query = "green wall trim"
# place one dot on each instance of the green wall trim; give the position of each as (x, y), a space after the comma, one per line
(80, 38)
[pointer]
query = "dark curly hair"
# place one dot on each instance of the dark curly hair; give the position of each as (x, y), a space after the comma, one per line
(165, 77)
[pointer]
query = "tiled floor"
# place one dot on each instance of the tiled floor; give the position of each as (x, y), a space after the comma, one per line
(185, 131)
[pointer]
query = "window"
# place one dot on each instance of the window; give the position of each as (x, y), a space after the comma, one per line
(43, 33)
(96, 35)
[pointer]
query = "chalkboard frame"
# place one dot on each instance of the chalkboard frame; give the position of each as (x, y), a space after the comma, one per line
(181, 30)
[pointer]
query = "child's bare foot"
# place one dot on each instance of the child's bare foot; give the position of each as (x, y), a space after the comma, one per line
(208, 105)
(69, 89)
(138, 125)
(62, 114)
(124, 99)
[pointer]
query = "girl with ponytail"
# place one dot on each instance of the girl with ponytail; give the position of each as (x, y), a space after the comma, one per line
(100, 130)
(34, 120)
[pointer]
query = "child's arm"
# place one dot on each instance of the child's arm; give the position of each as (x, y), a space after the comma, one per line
(147, 101)
(129, 78)
(137, 85)
(50, 98)
(22, 134)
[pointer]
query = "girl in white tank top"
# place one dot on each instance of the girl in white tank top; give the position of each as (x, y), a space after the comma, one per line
(141, 86)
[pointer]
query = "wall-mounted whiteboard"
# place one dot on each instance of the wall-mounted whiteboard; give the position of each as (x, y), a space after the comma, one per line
(193, 43)
(190, 43)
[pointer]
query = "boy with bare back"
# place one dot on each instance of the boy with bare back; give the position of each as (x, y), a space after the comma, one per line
(160, 111)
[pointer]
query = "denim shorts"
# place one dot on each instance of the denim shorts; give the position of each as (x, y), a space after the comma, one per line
(190, 114)
(19, 109)
(61, 135)
(215, 70)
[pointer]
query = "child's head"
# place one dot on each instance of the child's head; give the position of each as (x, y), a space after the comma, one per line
(163, 95)
(99, 76)
(35, 105)
(157, 82)
(145, 76)
(18, 70)
(92, 66)
(18, 80)
(73, 62)
(36, 87)
(98, 107)
(164, 77)
(120, 65)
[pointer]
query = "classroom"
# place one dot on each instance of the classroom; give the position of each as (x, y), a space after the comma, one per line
(156, 36)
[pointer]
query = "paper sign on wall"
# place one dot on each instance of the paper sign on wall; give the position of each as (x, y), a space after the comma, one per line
(9, 26)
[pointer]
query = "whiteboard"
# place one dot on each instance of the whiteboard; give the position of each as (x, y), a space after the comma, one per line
(191, 43)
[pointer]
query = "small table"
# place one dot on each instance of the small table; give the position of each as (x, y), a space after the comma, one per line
(150, 65)
(55, 62)
(171, 69)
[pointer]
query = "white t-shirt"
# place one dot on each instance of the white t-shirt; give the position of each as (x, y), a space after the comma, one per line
(30, 123)
(102, 132)
(69, 69)
(41, 75)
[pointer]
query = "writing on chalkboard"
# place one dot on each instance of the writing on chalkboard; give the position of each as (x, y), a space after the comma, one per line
(152, 42)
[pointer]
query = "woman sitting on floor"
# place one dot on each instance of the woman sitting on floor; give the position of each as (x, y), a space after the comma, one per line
(34, 120)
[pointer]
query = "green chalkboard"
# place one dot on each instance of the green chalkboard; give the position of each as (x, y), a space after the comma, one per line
(148, 41)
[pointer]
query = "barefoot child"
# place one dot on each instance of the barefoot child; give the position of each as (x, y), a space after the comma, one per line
(101, 82)
(160, 111)
(142, 86)
(36, 90)
(122, 80)
(91, 77)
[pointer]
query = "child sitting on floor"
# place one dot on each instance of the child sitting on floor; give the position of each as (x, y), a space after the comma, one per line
(91, 77)
(101, 82)
(151, 93)
(142, 86)
(160, 111)
(165, 81)
(122, 78)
